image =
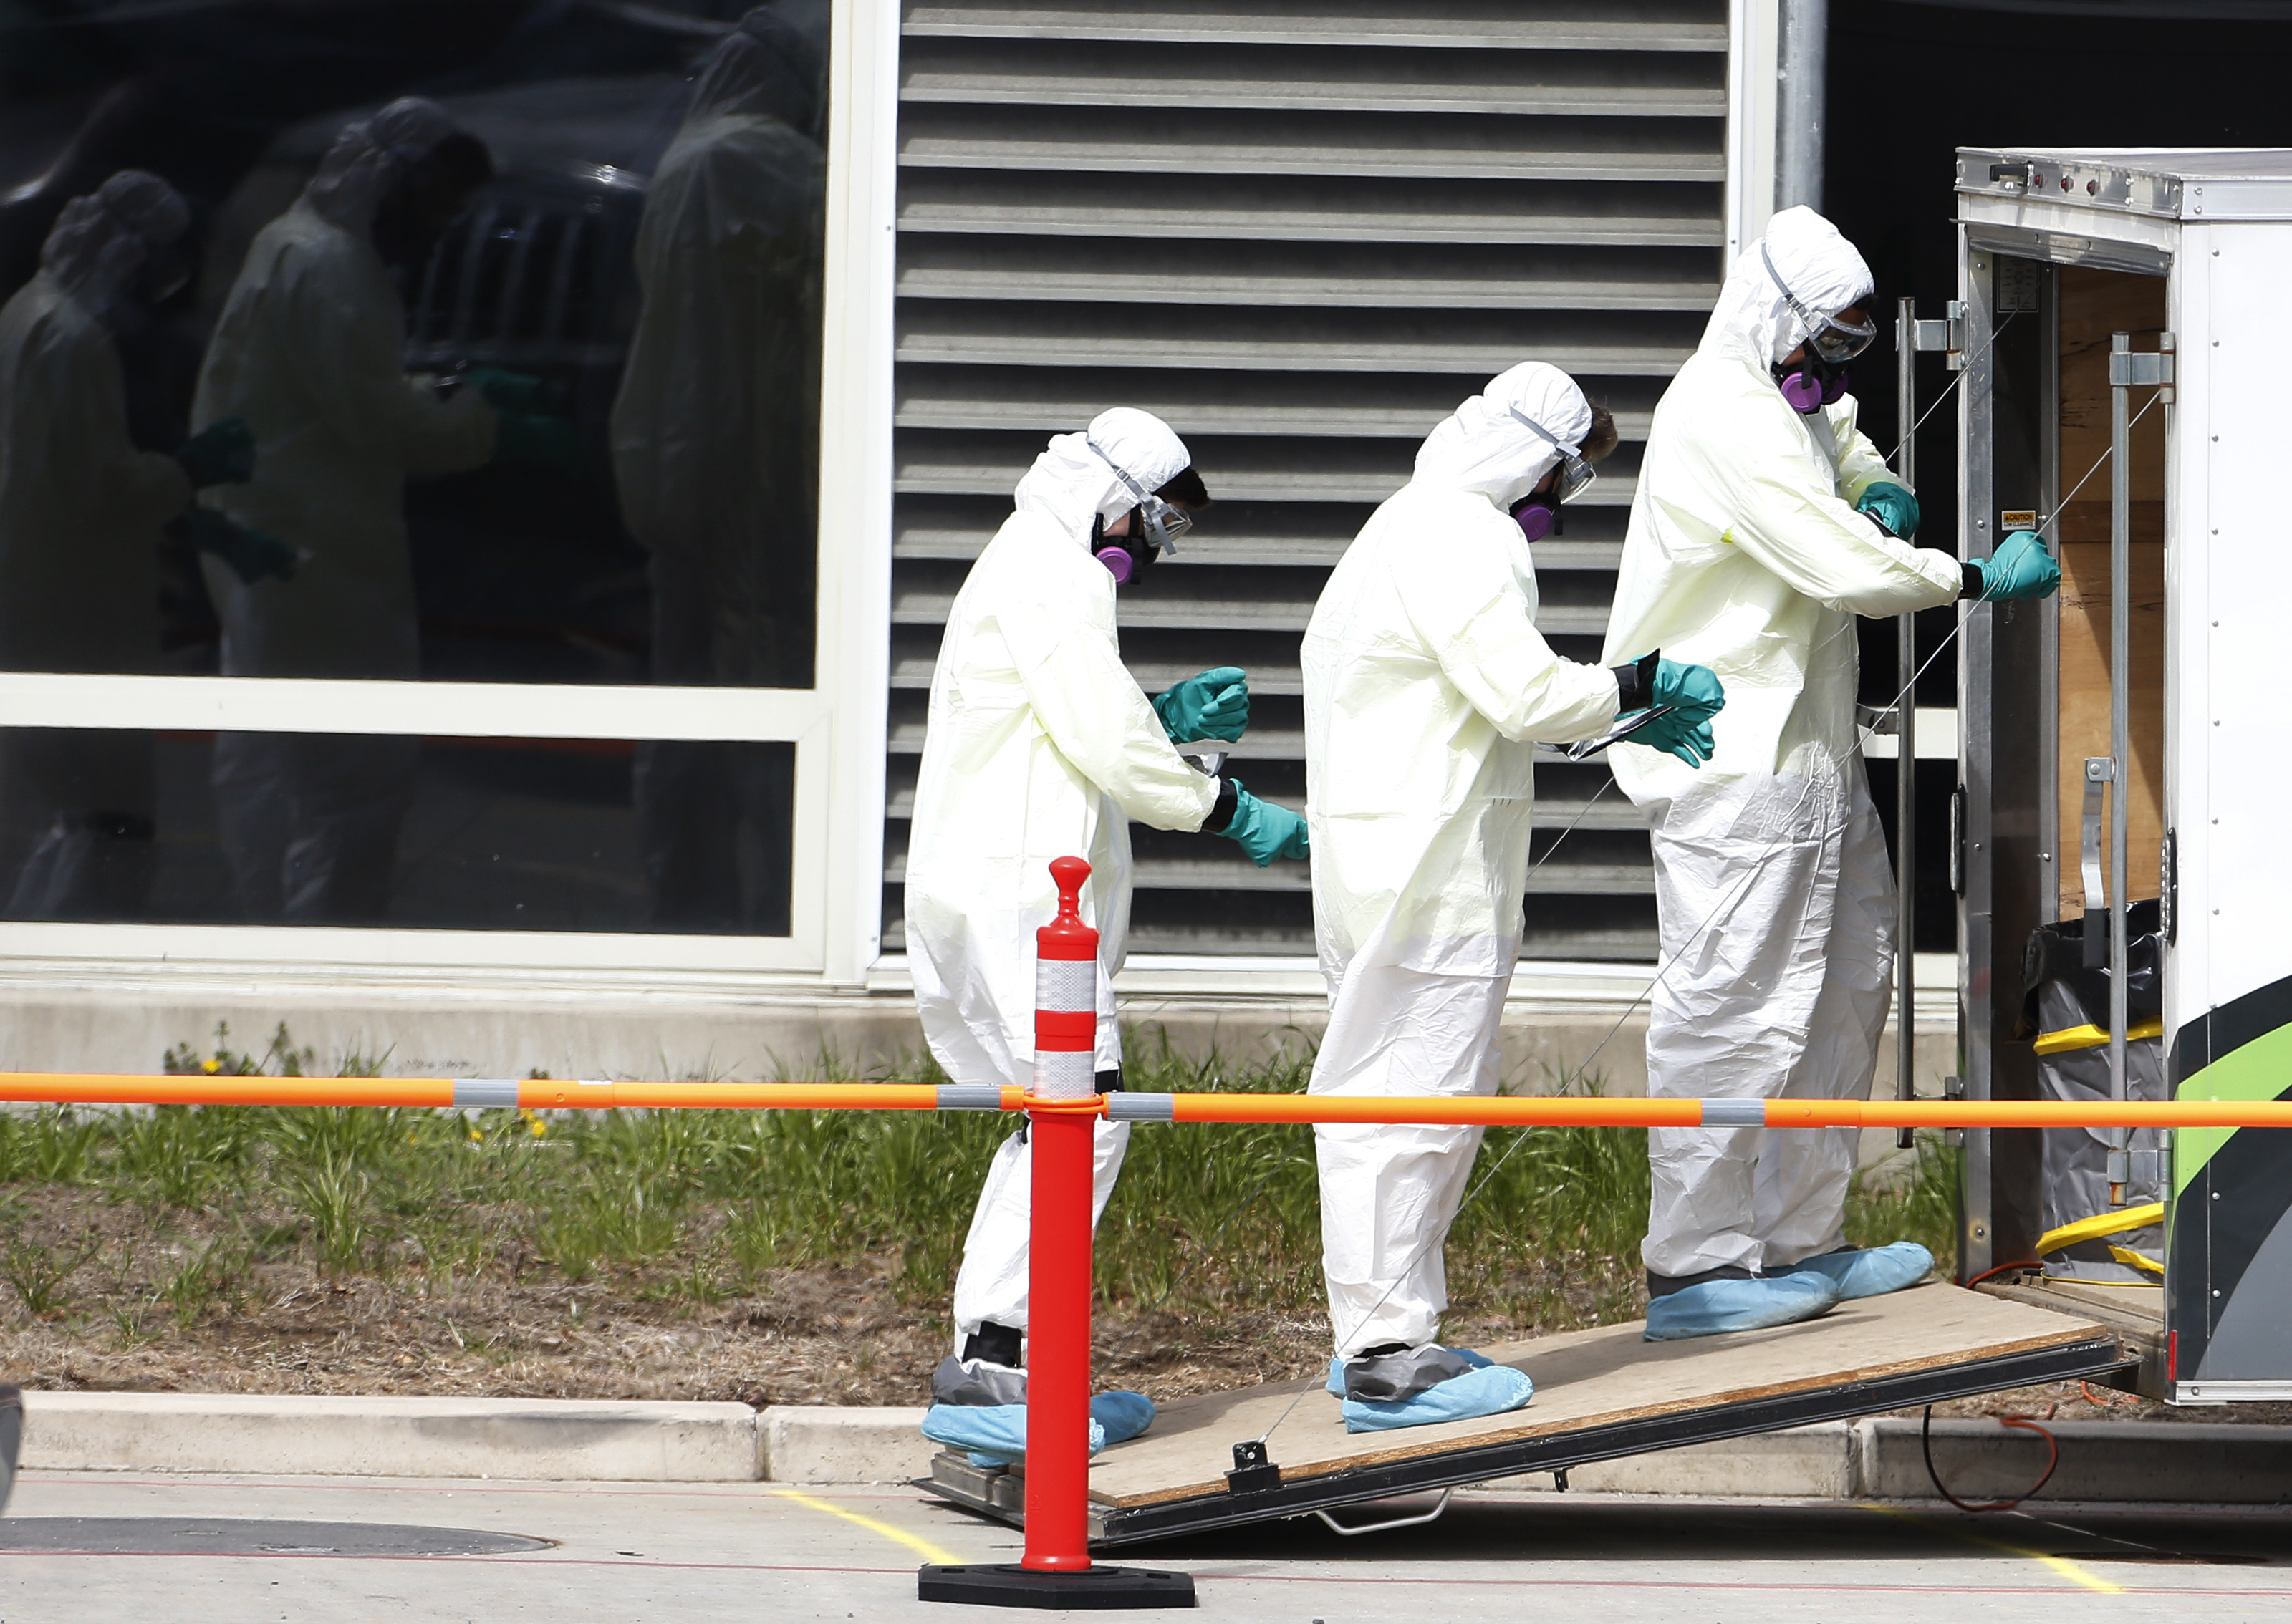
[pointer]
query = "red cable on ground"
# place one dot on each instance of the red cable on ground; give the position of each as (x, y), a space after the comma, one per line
(2052, 1445)
(2003, 1269)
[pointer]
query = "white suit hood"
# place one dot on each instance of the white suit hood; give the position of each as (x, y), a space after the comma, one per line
(1072, 484)
(100, 241)
(1482, 447)
(369, 155)
(1753, 320)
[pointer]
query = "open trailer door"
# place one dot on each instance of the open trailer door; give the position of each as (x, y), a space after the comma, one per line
(2131, 300)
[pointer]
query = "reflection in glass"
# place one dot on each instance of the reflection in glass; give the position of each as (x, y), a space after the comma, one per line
(716, 431)
(431, 305)
(80, 512)
(490, 834)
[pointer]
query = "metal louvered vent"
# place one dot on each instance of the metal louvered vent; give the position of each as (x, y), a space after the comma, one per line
(1301, 230)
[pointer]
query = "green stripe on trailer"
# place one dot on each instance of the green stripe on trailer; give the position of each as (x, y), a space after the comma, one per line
(2260, 1069)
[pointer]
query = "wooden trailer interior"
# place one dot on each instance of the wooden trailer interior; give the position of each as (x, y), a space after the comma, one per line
(2093, 305)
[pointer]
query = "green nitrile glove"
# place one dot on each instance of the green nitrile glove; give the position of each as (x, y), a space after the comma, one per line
(540, 442)
(1891, 506)
(250, 553)
(1674, 731)
(513, 391)
(1690, 696)
(1213, 706)
(2021, 568)
(1693, 691)
(1263, 829)
(221, 454)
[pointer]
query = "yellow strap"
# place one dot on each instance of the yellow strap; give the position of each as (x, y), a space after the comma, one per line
(2101, 1224)
(2126, 1254)
(2090, 1036)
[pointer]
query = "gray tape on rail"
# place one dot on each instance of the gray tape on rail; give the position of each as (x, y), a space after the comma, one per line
(1123, 1107)
(1734, 1114)
(971, 1097)
(485, 1091)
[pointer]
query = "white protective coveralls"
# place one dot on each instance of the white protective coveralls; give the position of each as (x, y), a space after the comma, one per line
(310, 351)
(1426, 687)
(1040, 745)
(81, 510)
(715, 437)
(1773, 894)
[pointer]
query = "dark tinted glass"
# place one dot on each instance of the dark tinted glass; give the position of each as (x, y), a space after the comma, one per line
(342, 829)
(531, 363)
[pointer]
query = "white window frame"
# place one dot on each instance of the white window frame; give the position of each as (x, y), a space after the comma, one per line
(837, 726)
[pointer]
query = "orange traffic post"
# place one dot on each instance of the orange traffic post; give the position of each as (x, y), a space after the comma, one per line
(1062, 1118)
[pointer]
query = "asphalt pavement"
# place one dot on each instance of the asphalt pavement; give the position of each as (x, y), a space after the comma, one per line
(91, 1548)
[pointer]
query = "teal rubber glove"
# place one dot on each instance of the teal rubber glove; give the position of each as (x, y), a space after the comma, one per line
(537, 441)
(1264, 830)
(1693, 691)
(250, 553)
(1891, 506)
(1689, 696)
(221, 454)
(512, 391)
(2021, 568)
(1213, 706)
(1676, 732)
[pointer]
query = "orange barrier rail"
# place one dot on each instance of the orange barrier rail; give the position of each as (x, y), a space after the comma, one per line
(1533, 1112)
(532, 1093)
(1528, 1111)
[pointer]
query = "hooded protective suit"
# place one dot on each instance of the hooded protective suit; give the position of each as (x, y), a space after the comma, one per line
(1772, 889)
(1426, 687)
(1040, 745)
(310, 352)
(80, 515)
(715, 436)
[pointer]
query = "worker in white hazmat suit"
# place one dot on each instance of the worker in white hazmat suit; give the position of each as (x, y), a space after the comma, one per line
(82, 511)
(1427, 687)
(310, 352)
(1764, 524)
(716, 440)
(1040, 745)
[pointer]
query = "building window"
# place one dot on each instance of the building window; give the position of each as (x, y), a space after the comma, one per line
(410, 511)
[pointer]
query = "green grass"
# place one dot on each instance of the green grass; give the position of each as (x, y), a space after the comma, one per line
(695, 1206)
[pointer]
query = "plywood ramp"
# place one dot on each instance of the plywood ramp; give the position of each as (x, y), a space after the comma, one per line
(1584, 1379)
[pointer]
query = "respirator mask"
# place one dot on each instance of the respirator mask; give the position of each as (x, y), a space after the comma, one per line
(1538, 516)
(1819, 377)
(1155, 527)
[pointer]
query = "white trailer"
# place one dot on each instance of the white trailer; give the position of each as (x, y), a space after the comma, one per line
(2124, 334)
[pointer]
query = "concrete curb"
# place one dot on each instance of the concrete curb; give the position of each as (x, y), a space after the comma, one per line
(652, 1442)
(570, 1439)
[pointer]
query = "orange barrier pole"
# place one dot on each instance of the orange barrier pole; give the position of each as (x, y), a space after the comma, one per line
(1530, 1111)
(1556, 1112)
(531, 1094)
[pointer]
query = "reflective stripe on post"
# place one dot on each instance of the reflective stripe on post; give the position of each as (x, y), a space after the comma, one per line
(1058, 1289)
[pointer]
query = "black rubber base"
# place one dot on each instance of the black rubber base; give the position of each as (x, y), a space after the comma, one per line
(1009, 1585)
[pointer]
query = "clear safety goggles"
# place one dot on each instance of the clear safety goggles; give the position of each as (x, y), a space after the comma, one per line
(1164, 522)
(1831, 339)
(1574, 472)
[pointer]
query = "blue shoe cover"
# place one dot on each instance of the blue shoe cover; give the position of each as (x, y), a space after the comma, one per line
(1478, 1361)
(995, 1435)
(1119, 1417)
(1718, 1306)
(1487, 1389)
(1873, 1272)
